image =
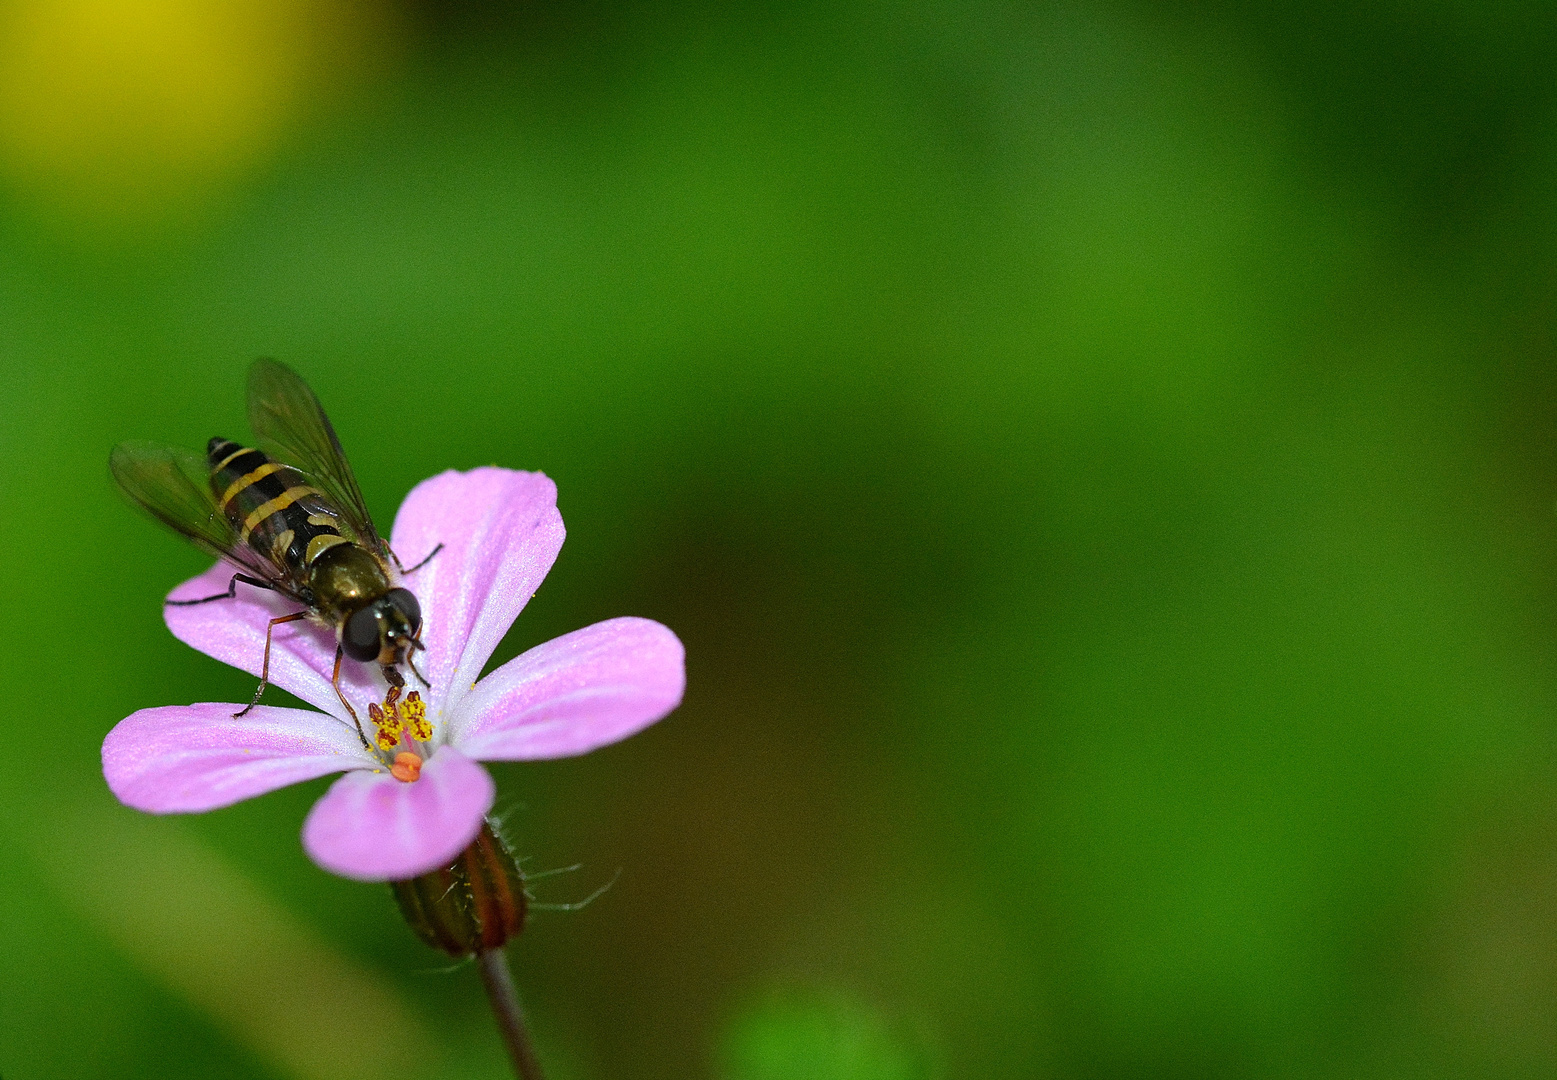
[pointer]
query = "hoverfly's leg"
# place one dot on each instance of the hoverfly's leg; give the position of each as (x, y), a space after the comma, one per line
(403, 571)
(410, 662)
(335, 681)
(265, 667)
(230, 594)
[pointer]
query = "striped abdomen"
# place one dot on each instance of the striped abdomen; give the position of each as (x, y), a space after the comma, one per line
(271, 506)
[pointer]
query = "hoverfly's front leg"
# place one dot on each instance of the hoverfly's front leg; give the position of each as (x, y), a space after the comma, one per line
(410, 662)
(265, 666)
(335, 681)
(230, 594)
(403, 571)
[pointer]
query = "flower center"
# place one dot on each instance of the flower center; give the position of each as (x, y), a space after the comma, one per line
(397, 719)
(407, 767)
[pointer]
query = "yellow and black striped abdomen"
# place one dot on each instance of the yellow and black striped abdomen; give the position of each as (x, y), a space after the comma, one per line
(271, 506)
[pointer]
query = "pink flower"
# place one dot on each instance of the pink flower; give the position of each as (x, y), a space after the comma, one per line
(501, 532)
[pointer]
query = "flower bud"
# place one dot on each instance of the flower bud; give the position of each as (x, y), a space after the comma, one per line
(474, 904)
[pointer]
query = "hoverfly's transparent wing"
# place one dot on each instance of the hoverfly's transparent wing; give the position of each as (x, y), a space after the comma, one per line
(291, 427)
(173, 486)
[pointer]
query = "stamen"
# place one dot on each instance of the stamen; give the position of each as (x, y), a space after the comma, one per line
(415, 712)
(396, 718)
(389, 724)
(407, 767)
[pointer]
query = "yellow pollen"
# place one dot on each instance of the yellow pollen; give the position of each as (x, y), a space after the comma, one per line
(415, 712)
(389, 725)
(407, 767)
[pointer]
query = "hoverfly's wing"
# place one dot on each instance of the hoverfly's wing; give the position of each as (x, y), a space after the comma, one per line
(292, 428)
(173, 486)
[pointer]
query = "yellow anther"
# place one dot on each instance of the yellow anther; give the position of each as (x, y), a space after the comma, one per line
(407, 767)
(388, 723)
(415, 711)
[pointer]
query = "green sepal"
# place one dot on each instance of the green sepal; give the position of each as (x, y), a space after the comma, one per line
(474, 904)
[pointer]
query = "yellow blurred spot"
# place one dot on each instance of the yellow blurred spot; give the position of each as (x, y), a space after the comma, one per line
(126, 108)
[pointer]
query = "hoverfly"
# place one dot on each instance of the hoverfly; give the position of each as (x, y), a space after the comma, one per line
(290, 518)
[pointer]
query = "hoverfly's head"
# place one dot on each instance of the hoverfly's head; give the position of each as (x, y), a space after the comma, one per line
(385, 631)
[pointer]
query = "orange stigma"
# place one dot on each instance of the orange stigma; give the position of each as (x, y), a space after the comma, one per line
(407, 767)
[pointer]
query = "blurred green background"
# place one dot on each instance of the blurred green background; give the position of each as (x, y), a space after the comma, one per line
(1100, 456)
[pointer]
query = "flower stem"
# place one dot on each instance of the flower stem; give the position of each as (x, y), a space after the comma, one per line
(510, 1018)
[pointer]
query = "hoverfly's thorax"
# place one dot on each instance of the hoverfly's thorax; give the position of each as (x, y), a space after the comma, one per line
(344, 579)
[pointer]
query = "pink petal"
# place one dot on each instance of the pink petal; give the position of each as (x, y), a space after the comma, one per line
(372, 827)
(500, 532)
(180, 759)
(302, 653)
(574, 693)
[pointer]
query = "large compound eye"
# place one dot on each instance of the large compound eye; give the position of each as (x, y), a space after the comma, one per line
(406, 604)
(359, 638)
